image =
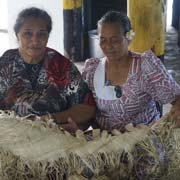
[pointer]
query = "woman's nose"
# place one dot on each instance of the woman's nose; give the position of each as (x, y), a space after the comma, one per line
(109, 44)
(35, 39)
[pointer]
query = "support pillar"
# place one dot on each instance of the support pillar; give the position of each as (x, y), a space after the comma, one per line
(72, 16)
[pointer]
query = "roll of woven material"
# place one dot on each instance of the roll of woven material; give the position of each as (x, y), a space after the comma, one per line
(32, 150)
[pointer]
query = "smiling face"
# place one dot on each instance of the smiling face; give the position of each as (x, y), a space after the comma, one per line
(32, 38)
(113, 41)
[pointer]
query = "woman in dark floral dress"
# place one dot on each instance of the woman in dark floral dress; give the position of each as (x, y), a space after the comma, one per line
(35, 79)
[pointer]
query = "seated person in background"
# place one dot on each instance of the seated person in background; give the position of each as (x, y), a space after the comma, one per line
(126, 84)
(37, 80)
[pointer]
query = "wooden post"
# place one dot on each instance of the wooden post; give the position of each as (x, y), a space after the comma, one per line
(72, 16)
(179, 25)
(148, 21)
(179, 32)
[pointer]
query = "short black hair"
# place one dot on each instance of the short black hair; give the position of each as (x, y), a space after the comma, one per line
(116, 17)
(32, 12)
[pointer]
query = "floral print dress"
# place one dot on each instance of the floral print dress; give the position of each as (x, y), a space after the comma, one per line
(53, 85)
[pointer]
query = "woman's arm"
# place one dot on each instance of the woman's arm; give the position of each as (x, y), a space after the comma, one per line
(77, 117)
(156, 80)
(176, 112)
(81, 114)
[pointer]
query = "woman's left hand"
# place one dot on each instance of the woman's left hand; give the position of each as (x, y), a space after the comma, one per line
(175, 112)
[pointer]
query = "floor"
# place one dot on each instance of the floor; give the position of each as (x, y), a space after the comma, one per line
(171, 58)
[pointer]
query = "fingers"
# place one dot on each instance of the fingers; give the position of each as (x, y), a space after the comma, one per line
(175, 116)
(70, 126)
(176, 124)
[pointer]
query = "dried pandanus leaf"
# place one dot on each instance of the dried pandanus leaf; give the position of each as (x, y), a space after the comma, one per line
(158, 156)
(32, 150)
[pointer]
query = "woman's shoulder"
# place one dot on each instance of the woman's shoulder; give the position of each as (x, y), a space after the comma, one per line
(92, 63)
(55, 60)
(9, 55)
(146, 57)
(53, 56)
(149, 62)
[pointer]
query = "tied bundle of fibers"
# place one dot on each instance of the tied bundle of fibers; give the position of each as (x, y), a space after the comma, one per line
(32, 150)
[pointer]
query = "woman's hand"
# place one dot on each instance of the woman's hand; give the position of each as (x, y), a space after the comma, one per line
(175, 112)
(70, 126)
(14, 93)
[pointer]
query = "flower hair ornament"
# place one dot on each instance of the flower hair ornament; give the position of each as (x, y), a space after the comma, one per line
(130, 35)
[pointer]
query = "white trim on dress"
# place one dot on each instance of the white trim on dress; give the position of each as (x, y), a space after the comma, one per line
(103, 91)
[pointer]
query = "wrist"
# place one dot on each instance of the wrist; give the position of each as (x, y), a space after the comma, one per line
(176, 103)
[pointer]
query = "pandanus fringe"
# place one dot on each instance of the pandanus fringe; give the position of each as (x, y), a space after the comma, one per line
(31, 150)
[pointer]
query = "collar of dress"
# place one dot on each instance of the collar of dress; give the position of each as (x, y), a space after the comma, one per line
(103, 91)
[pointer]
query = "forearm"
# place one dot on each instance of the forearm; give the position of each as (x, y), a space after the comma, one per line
(175, 112)
(176, 103)
(80, 114)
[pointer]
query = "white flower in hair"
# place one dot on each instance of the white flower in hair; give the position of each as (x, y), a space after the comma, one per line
(130, 35)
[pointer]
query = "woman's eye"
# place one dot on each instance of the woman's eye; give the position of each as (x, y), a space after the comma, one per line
(116, 40)
(27, 34)
(102, 41)
(42, 35)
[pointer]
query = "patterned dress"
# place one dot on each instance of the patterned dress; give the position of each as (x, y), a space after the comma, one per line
(53, 85)
(148, 81)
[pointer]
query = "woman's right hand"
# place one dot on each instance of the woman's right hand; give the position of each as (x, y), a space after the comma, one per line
(14, 93)
(70, 126)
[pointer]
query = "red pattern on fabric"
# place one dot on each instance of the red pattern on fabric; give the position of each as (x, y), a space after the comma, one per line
(57, 71)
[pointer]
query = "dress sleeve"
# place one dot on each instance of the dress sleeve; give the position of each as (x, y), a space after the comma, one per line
(5, 74)
(77, 89)
(89, 70)
(156, 80)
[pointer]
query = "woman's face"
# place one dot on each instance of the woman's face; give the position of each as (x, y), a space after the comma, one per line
(33, 38)
(112, 41)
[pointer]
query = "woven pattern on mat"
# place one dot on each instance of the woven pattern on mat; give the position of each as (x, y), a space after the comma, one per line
(31, 150)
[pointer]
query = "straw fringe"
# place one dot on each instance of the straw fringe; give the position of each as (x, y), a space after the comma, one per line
(32, 150)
